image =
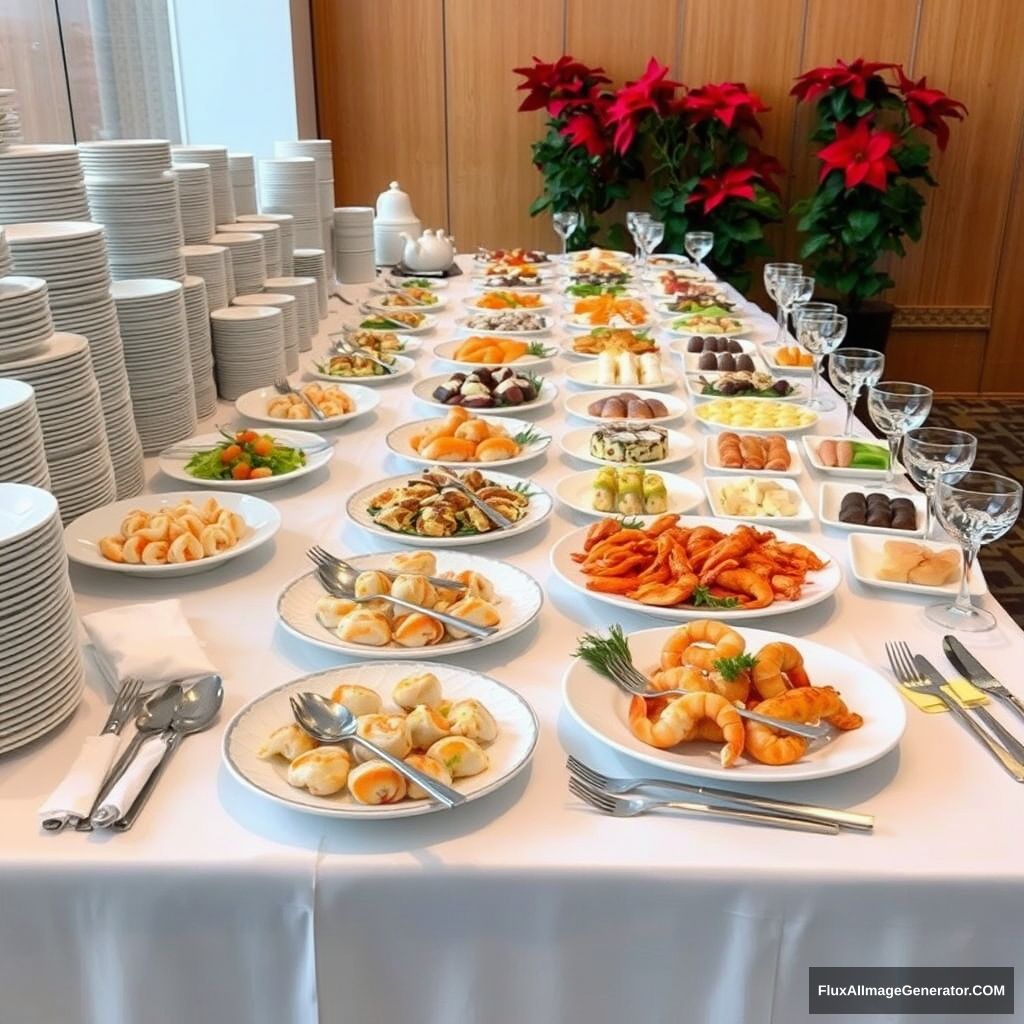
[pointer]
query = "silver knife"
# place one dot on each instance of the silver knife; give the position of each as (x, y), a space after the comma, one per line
(1000, 753)
(967, 664)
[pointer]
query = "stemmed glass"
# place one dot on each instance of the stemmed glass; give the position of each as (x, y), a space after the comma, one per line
(820, 332)
(652, 232)
(566, 222)
(697, 245)
(896, 407)
(772, 272)
(973, 508)
(849, 370)
(930, 452)
(791, 289)
(634, 220)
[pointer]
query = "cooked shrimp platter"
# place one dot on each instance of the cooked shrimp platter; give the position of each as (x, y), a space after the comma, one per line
(722, 669)
(483, 591)
(458, 726)
(691, 567)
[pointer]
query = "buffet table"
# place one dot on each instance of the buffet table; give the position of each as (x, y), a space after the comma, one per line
(526, 905)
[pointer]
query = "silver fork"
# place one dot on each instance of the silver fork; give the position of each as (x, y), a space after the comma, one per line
(282, 387)
(909, 674)
(322, 556)
(620, 787)
(631, 806)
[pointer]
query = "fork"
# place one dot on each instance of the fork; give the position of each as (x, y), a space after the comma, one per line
(282, 387)
(631, 806)
(907, 671)
(323, 557)
(620, 787)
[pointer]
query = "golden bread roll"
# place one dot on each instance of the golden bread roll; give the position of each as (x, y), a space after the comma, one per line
(389, 732)
(426, 726)
(331, 610)
(415, 589)
(417, 629)
(475, 610)
(422, 562)
(365, 626)
(371, 583)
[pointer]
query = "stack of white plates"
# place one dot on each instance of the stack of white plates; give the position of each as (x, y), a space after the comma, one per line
(248, 268)
(156, 351)
(195, 200)
(313, 263)
(243, 182)
(213, 264)
(320, 151)
(125, 159)
(5, 255)
(289, 306)
(271, 235)
(248, 348)
(284, 222)
(304, 290)
(41, 668)
(143, 223)
(41, 183)
(22, 455)
(200, 344)
(289, 185)
(74, 432)
(10, 118)
(25, 320)
(216, 157)
(353, 244)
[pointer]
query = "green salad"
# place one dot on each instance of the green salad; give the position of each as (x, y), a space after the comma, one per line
(245, 455)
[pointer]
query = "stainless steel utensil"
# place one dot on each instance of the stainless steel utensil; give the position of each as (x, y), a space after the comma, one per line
(965, 662)
(351, 573)
(500, 520)
(343, 346)
(282, 387)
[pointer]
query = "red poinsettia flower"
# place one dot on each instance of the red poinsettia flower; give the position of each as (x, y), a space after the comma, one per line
(927, 108)
(730, 102)
(543, 79)
(732, 183)
(585, 129)
(854, 76)
(652, 91)
(861, 153)
(767, 167)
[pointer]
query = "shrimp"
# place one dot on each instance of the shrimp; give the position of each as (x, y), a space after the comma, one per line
(112, 548)
(730, 549)
(155, 553)
(754, 591)
(766, 745)
(664, 725)
(779, 666)
(135, 520)
(686, 677)
(806, 704)
(681, 648)
(665, 595)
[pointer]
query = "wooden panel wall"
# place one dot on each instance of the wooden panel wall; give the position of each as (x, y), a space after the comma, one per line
(424, 91)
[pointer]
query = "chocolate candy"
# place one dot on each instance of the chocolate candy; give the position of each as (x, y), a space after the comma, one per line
(878, 510)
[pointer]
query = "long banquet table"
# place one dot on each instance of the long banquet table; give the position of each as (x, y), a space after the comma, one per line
(526, 905)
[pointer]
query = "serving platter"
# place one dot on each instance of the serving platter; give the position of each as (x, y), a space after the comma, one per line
(577, 404)
(398, 440)
(830, 498)
(252, 406)
(401, 367)
(575, 491)
(424, 389)
(577, 444)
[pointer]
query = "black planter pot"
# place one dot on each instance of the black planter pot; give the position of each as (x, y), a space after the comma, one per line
(868, 325)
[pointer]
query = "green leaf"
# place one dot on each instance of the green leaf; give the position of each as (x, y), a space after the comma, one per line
(862, 223)
(539, 205)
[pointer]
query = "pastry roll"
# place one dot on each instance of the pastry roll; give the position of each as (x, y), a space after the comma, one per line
(331, 610)
(389, 732)
(322, 771)
(475, 610)
(605, 490)
(429, 766)
(426, 726)
(476, 584)
(415, 589)
(371, 583)
(365, 626)
(422, 562)
(360, 700)
(375, 782)
(288, 741)
(630, 493)
(460, 755)
(470, 718)
(655, 495)
(422, 688)
(417, 629)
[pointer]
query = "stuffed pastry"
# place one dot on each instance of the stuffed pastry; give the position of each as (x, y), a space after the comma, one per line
(331, 610)
(460, 755)
(365, 626)
(426, 726)
(389, 732)
(475, 610)
(417, 629)
(289, 741)
(422, 688)
(415, 589)
(360, 700)
(422, 562)
(470, 718)
(376, 782)
(429, 766)
(322, 771)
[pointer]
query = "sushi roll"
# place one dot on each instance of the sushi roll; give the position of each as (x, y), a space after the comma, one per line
(655, 495)
(627, 365)
(631, 497)
(606, 490)
(650, 369)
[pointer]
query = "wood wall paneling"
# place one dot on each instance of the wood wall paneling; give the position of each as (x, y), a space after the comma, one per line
(622, 37)
(948, 361)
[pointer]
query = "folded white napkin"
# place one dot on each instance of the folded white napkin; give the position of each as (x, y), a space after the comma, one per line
(118, 801)
(76, 791)
(153, 642)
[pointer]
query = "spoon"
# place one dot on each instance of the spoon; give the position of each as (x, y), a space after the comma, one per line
(329, 722)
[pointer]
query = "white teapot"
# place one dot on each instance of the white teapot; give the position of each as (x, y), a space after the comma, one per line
(431, 251)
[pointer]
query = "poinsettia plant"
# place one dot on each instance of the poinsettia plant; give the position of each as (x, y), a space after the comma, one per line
(872, 122)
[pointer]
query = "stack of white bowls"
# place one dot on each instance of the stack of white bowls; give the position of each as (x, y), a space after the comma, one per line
(25, 319)
(308, 313)
(288, 185)
(22, 455)
(284, 222)
(248, 348)
(5, 254)
(195, 200)
(271, 236)
(213, 264)
(200, 344)
(216, 158)
(354, 261)
(72, 257)
(41, 183)
(41, 668)
(248, 268)
(320, 151)
(313, 263)
(289, 306)
(243, 182)
(156, 350)
(74, 434)
(10, 118)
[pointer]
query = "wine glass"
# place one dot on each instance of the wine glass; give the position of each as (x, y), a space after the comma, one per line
(820, 333)
(973, 508)
(849, 370)
(931, 451)
(895, 407)
(772, 272)
(697, 245)
(634, 218)
(789, 290)
(652, 231)
(566, 222)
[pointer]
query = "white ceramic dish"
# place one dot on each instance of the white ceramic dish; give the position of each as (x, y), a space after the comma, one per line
(575, 491)
(447, 349)
(376, 306)
(576, 405)
(786, 371)
(423, 389)
(402, 367)
(570, 340)
(519, 603)
(713, 463)
(585, 375)
(509, 754)
(693, 387)
(754, 405)
(602, 709)
(410, 344)
(435, 284)
(398, 441)
(504, 332)
(82, 536)
(679, 328)
(811, 442)
(428, 323)
(716, 484)
(831, 497)
(866, 552)
(577, 444)
(579, 322)
(253, 406)
(472, 303)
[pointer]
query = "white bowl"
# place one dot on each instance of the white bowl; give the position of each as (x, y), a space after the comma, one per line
(831, 496)
(715, 485)
(866, 552)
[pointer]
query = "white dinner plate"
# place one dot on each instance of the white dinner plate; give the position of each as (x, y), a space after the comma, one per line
(402, 367)
(713, 462)
(447, 349)
(428, 323)
(866, 552)
(376, 306)
(175, 467)
(508, 755)
(424, 389)
(576, 490)
(602, 709)
(253, 406)
(817, 587)
(811, 442)
(585, 375)
(754, 405)
(410, 343)
(519, 600)
(472, 302)
(503, 332)
(572, 324)
(694, 385)
(577, 404)
(81, 537)
(538, 510)
(831, 496)
(382, 284)
(679, 328)
(715, 485)
(577, 444)
(776, 367)
(570, 340)
(398, 441)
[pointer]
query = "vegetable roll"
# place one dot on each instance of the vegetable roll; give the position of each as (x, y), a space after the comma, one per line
(655, 495)
(605, 489)
(631, 495)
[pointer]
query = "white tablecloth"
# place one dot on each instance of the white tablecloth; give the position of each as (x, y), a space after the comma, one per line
(523, 906)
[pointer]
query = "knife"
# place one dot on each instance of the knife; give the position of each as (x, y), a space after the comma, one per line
(1001, 754)
(965, 662)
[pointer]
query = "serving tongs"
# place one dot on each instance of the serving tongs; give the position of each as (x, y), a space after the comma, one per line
(451, 480)
(342, 346)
